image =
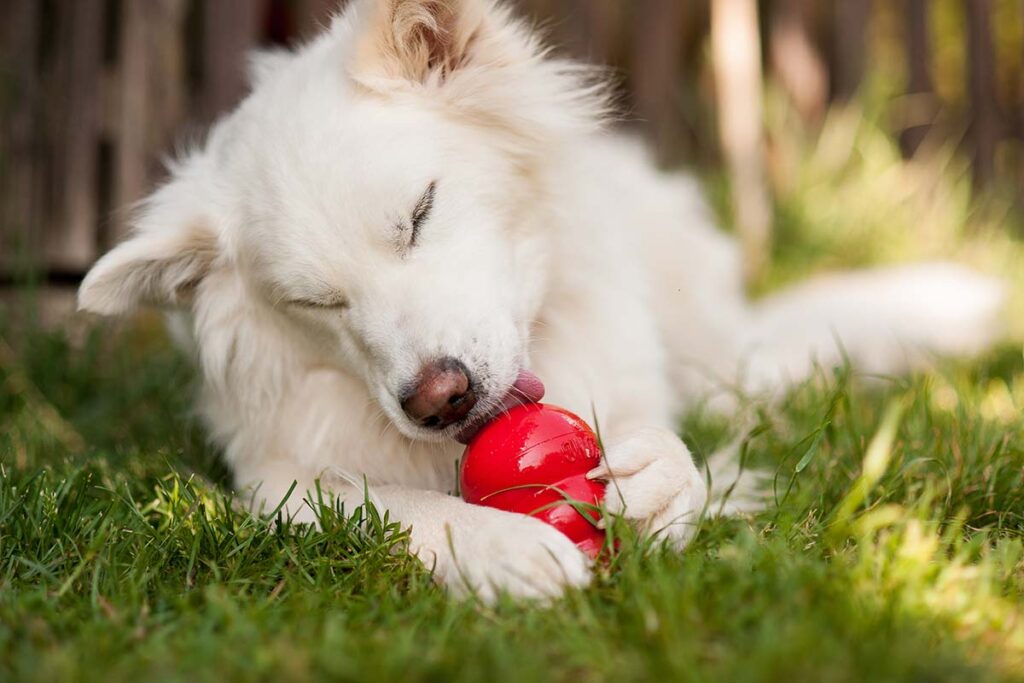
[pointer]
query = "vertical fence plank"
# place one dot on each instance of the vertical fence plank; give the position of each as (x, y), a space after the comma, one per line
(231, 28)
(132, 89)
(657, 66)
(1019, 113)
(984, 125)
(919, 75)
(151, 99)
(736, 45)
(796, 61)
(19, 163)
(850, 27)
(73, 110)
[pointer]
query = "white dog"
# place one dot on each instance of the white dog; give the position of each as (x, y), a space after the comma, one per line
(414, 217)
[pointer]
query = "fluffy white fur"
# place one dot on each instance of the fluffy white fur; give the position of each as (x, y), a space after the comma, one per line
(552, 245)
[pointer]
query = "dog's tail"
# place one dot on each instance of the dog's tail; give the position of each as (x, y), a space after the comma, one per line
(885, 321)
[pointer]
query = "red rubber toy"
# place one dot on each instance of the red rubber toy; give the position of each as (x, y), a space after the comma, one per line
(529, 460)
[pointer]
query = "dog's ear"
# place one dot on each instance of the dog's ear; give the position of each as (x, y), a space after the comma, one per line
(419, 40)
(173, 248)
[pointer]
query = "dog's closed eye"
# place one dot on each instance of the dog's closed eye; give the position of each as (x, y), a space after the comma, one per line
(421, 213)
(328, 303)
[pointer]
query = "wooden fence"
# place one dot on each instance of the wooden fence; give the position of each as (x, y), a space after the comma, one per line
(96, 93)
(93, 93)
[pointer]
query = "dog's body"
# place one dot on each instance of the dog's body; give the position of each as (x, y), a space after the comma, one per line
(420, 183)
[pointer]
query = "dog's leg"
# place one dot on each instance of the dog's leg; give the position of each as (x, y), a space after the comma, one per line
(654, 483)
(483, 551)
(652, 479)
(472, 550)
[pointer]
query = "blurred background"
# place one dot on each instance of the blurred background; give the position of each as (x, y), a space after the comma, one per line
(829, 133)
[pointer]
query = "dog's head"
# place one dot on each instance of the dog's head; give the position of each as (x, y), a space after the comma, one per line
(380, 197)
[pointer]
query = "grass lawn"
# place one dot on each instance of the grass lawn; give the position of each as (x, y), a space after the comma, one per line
(894, 553)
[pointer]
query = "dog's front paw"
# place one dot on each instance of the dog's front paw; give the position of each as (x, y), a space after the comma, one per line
(653, 482)
(487, 552)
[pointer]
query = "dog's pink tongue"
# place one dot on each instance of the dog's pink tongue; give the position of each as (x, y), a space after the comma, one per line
(526, 389)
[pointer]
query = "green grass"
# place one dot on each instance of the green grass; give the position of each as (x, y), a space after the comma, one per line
(122, 555)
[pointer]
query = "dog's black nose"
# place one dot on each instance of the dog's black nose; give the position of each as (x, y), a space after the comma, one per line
(442, 396)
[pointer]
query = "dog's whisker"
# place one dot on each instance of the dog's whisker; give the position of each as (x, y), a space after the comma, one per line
(519, 393)
(386, 423)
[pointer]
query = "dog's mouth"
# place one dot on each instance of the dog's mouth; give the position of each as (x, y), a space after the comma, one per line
(526, 389)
